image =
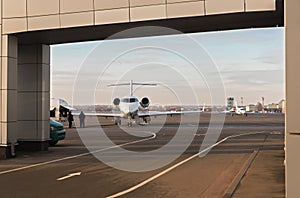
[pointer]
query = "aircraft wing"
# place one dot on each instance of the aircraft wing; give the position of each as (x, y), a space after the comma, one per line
(68, 107)
(116, 115)
(160, 113)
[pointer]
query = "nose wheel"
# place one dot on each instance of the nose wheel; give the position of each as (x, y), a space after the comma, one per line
(129, 124)
(137, 120)
(118, 121)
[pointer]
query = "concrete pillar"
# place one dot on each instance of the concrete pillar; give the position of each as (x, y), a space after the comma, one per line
(33, 96)
(8, 95)
(292, 131)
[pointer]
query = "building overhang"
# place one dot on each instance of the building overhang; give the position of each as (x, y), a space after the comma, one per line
(220, 22)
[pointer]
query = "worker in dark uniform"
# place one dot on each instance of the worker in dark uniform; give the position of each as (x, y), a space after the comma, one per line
(81, 119)
(70, 119)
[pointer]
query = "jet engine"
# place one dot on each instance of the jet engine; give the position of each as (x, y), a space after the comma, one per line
(145, 102)
(116, 101)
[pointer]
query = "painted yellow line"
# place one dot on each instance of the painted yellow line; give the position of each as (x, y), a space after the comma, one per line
(133, 188)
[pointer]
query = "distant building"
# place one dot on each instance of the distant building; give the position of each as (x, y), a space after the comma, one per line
(250, 108)
(258, 107)
(273, 107)
(230, 103)
(276, 108)
(281, 105)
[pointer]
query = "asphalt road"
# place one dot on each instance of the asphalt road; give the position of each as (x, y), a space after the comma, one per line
(250, 165)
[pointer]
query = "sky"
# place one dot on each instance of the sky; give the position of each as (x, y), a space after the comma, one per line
(188, 68)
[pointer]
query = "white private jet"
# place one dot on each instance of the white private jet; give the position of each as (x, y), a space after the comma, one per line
(131, 108)
(239, 111)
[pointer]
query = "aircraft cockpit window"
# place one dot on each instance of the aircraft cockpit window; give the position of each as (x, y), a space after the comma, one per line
(133, 100)
(126, 100)
(129, 100)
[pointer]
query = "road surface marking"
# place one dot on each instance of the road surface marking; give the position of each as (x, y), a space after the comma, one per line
(275, 133)
(196, 134)
(69, 176)
(143, 183)
(237, 179)
(76, 156)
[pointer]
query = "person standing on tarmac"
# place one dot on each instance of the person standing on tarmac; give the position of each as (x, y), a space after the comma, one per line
(82, 118)
(70, 119)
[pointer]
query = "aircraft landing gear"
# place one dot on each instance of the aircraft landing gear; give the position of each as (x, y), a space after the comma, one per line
(118, 121)
(129, 122)
(137, 120)
(147, 120)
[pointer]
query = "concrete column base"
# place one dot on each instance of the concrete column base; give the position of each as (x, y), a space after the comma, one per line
(32, 146)
(5, 152)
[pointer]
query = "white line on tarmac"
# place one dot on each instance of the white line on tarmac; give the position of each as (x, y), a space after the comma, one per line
(133, 188)
(276, 133)
(75, 156)
(199, 134)
(69, 176)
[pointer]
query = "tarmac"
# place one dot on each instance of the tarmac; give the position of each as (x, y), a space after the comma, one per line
(248, 163)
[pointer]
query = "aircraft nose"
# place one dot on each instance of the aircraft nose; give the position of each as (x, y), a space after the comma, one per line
(130, 108)
(126, 108)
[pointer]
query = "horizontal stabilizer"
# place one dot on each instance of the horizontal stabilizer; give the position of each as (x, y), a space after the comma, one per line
(131, 83)
(134, 83)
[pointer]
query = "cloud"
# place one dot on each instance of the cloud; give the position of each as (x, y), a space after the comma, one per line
(275, 58)
(254, 78)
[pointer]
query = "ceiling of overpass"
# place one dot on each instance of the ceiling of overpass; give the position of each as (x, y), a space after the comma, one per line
(185, 25)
